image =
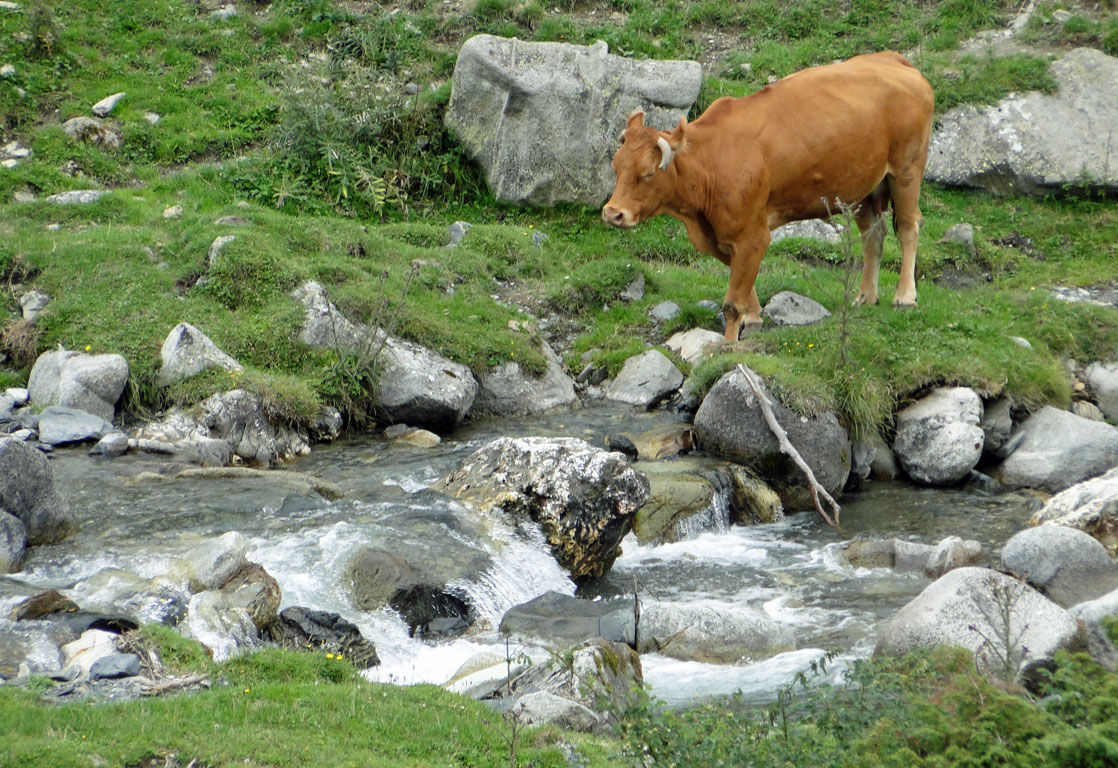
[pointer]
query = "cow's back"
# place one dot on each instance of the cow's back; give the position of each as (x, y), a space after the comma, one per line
(825, 132)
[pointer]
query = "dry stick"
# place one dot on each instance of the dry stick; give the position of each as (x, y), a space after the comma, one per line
(786, 447)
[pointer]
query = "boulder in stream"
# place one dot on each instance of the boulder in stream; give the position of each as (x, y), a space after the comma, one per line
(730, 423)
(27, 493)
(939, 440)
(582, 497)
(1065, 564)
(299, 629)
(1059, 449)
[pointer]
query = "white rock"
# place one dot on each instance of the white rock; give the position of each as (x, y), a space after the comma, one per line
(107, 104)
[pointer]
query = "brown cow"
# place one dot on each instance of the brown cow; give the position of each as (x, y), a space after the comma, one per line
(853, 133)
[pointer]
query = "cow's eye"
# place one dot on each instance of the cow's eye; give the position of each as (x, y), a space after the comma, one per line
(648, 176)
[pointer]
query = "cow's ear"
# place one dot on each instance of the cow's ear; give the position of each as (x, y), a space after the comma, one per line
(677, 136)
(636, 120)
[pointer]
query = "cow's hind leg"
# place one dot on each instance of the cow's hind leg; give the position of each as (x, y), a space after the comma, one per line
(905, 191)
(870, 218)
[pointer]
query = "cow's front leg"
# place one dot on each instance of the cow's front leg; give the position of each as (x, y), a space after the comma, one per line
(742, 308)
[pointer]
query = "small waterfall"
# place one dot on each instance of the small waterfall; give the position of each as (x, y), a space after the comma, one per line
(715, 518)
(523, 568)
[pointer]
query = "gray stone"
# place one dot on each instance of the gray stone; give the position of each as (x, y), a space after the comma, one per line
(61, 426)
(112, 444)
(508, 391)
(963, 609)
(730, 423)
(912, 557)
(1090, 506)
(107, 104)
(324, 327)
(172, 212)
(664, 311)
(238, 417)
(810, 229)
(1065, 564)
(997, 425)
(420, 387)
(699, 632)
(458, 230)
(938, 439)
(789, 309)
(645, 380)
(91, 383)
(93, 131)
(218, 621)
(301, 628)
(582, 497)
(1035, 142)
(1059, 449)
(113, 591)
(1103, 379)
(634, 291)
(1099, 644)
(883, 463)
(83, 653)
(210, 564)
(33, 303)
(546, 708)
(13, 542)
(187, 352)
(675, 497)
(695, 344)
(563, 620)
(217, 246)
(114, 666)
(27, 492)
(962, 234)
(77, 197)
(542, 119)
(1085, 409)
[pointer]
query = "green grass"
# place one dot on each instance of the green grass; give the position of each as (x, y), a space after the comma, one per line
(274, 708)
(294, 116)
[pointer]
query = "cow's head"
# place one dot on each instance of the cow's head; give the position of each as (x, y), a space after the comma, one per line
(645, 173)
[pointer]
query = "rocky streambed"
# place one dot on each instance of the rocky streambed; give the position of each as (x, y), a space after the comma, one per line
(372, 537)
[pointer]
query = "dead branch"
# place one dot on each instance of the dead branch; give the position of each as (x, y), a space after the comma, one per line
(787, 448)
(174, 684)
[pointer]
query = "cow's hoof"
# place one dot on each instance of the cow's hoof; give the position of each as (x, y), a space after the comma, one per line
(862, 301)
(748, 329)
(904, 305)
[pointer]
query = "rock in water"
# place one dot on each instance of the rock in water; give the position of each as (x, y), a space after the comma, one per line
(582, 497)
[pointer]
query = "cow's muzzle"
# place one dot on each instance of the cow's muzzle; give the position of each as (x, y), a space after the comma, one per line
(618, 217)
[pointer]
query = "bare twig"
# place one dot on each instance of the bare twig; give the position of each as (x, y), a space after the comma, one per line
(174, 684)
(787, 448)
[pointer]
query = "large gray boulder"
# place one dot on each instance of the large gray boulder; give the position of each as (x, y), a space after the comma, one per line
(27, 492)
(1059, 449)
(965, 607)
(414, 385)
(645, 380)
(1090, 506)
(61, 426)
(788, 308)
(187, 352)
(1034, 142)
(939, 440)
(730, 423)
(582, 497)
(508, 390)
(542, 119)
(563, 620)
(1065, 564)
(419, 387)
(90, 383)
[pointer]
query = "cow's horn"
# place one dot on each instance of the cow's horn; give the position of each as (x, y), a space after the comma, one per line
(666, 149)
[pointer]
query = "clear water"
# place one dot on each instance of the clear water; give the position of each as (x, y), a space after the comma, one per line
(788, 570)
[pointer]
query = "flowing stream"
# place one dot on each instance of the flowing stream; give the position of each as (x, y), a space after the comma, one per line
(789, 570)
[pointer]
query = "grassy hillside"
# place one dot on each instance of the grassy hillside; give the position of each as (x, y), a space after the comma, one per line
(318, 125)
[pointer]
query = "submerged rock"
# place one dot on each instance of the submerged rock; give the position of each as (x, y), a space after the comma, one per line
(933, 560)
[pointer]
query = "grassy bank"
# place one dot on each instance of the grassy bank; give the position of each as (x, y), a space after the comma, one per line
(298, 119)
